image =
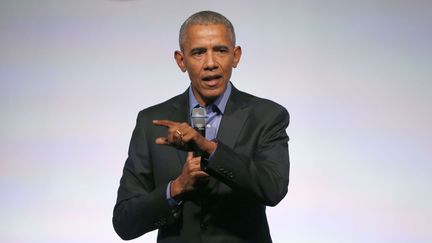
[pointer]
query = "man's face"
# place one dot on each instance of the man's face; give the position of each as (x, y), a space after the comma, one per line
(208, 56)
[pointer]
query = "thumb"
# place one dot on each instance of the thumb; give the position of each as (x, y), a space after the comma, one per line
(189, 156)
(162, 141)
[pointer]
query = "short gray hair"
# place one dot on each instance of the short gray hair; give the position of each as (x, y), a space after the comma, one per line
(205, 18)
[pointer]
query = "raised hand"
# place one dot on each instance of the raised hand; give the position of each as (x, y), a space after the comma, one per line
(190, 178)
(184, 137)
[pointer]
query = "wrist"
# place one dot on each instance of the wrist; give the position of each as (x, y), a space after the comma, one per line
(175, 189)
(210, 146)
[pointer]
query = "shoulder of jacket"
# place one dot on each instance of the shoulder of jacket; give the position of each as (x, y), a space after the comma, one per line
(163, 106)
(259, 103)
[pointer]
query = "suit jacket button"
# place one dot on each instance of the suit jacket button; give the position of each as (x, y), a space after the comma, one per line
(203, 226)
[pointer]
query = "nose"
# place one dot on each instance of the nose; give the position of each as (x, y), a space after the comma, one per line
(211, 63)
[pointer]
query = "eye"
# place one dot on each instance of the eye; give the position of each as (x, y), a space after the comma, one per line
(222, 50)
(198, 52)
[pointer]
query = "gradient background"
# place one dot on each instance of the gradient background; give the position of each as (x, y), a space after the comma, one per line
(356, 77)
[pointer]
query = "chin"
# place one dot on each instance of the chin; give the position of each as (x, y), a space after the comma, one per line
(212, 94)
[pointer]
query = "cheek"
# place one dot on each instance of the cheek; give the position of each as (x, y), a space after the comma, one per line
(194, 69)
(192, 74)
(228, 64)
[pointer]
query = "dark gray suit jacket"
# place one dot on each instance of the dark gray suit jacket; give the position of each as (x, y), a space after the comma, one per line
(249, 171)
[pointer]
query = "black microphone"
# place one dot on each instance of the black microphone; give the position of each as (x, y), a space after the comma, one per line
(199, 121)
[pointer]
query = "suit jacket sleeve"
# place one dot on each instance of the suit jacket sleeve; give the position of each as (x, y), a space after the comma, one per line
(141, 207)
(263, 171)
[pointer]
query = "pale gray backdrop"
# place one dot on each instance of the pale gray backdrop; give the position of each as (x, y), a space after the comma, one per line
(355, 76)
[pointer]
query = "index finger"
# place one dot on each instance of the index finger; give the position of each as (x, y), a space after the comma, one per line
(166, 123)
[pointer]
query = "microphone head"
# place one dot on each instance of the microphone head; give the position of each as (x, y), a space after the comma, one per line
(199, 117)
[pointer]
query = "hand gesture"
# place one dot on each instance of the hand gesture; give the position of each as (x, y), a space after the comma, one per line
(184, 137)
(190, 178)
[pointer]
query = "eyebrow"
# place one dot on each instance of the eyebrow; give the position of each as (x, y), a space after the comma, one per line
(198, 49)
(219, 47)
(203, 49)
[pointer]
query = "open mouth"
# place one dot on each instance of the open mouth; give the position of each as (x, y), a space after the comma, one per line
(212, 77)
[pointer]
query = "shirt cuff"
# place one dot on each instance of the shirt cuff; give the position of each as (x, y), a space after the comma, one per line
(171, 201)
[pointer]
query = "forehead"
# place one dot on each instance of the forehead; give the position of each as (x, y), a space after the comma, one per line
(207, 34)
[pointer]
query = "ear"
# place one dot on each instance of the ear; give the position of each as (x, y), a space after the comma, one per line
(237, 55)
(178, 56)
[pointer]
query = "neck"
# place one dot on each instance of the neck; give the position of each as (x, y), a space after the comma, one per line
(206, 102)
(203, 102)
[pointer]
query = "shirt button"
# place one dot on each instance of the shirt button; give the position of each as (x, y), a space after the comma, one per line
(208, 126)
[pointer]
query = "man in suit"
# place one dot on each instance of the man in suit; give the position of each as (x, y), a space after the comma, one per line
(211, 188)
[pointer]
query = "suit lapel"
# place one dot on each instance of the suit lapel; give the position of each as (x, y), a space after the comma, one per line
(234, 117)
(180, 113)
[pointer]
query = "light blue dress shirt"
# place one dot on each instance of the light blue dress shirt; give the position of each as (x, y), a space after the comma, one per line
(214, 111)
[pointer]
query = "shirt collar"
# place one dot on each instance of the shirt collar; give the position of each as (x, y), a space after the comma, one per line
(220, 102)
